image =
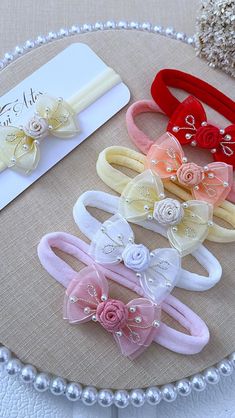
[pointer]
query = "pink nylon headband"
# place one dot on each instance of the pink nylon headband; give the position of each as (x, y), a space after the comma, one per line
(166, 336)
(142, 141)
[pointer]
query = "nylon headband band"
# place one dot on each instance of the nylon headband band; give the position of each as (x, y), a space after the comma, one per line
(166, 336)
(200, 89)
(104, 201)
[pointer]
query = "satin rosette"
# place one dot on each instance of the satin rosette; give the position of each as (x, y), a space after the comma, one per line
(157, 270)
(187, 223)
(19, 146)
(133, 325)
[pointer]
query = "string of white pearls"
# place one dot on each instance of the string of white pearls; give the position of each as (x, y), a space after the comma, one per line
(20, 50)
(105, 397)
(74, 391)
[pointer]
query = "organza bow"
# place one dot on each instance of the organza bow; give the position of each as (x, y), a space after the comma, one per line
(189, 124)
(19, 146)
(211, 183)
(157, 270)
(133, 326)
(187, 223)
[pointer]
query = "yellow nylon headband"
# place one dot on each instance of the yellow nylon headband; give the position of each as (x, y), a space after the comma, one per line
(135, 161)
(19, 146)
(93, 90)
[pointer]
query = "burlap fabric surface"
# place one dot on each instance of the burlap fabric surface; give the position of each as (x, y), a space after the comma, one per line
(30, 300)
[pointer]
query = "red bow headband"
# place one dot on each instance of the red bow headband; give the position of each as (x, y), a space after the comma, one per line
(188, 120)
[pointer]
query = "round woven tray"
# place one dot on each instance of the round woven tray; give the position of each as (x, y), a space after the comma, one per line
(31, 323)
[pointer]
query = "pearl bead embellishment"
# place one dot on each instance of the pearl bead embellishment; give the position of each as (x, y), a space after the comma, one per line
(138, 319)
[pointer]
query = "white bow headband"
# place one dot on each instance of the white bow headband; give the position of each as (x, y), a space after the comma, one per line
(92, 228)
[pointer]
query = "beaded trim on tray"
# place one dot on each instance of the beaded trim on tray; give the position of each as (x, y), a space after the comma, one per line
(74, 391)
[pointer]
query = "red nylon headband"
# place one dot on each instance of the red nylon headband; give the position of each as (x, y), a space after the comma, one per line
(200, 89)
(188, 120)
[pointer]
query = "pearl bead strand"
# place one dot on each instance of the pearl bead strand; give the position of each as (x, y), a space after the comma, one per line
(29, 45)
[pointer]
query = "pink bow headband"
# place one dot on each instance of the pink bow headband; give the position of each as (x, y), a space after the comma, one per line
(212, 183)
(135, 325)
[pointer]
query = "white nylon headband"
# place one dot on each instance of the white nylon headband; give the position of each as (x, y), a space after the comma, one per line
(104, 201)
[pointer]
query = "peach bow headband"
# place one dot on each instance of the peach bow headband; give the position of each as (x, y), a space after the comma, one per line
(211, 183)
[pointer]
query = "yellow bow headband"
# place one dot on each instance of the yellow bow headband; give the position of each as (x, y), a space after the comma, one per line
(19, 146)
(135, 161)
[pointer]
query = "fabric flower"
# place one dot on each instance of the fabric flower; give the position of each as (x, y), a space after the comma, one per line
(190, 174)
(136, 257)
(36, 127)
(112, 315)
(208, 136)
(168, 212)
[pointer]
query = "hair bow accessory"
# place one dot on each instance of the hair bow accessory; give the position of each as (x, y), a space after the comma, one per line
(187, 223)
(157, 270)
(19, 146)
(190, 126)
(211, 183)
(133, 326)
